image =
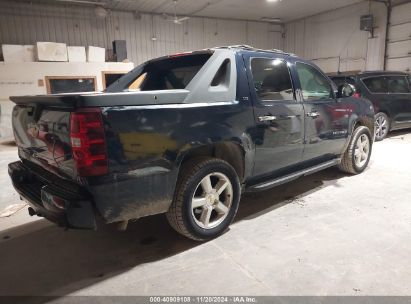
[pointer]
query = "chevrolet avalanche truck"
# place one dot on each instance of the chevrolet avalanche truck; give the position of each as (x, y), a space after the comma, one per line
(185, 135)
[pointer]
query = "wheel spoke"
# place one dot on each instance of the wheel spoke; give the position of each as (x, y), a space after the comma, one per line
(361, 152)
(221, 208)
(205, 216)
(364, 141)
(208, 210)
(221, 186)
(206, 184)
(198, 202)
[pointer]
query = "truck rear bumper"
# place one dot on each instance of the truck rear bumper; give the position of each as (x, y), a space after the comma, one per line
(49, 197)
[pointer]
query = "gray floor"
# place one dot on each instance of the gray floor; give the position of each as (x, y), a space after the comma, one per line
(327, 234)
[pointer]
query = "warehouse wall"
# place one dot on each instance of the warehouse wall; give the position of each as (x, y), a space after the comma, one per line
(334, 40)
(25, 24)
(399, 39)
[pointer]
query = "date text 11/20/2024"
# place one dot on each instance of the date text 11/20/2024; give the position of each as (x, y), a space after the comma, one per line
(204, 299)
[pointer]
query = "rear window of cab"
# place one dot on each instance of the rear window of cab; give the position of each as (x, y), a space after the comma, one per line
(173, 72)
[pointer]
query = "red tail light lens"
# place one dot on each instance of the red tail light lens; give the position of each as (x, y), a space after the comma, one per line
(357, 95)
(88, 142)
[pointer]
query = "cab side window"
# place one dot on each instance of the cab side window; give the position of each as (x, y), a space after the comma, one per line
(376, 84)
(272, 81)
(398, 84)
(314, 85)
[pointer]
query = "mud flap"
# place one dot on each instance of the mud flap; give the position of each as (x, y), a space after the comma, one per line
(80, 215)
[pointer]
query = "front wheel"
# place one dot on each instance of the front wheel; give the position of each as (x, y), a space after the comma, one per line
(358, 154)
(206, 199)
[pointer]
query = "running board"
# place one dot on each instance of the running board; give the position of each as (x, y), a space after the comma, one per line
(293, 176)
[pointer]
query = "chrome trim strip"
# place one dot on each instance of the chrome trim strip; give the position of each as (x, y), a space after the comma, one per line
(298, 174)
(172, 106)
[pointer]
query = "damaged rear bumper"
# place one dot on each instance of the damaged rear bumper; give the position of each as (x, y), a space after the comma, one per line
(59, 201)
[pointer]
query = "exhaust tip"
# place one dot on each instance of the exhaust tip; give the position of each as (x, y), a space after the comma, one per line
(122, 226)
(32, 211)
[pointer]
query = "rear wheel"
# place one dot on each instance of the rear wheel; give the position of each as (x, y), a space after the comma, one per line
(206, 199)
(382, 126)
(358, 154)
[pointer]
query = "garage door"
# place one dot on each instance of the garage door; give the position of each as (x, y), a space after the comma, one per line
(399, 39)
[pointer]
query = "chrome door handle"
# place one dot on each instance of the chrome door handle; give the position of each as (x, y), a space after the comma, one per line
(288, 116)
(313, 114)
(266, 118)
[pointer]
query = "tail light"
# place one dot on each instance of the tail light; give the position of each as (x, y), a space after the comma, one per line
(357, 95)
(88, 142)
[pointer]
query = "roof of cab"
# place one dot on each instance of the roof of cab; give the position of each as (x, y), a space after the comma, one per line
(252, 49)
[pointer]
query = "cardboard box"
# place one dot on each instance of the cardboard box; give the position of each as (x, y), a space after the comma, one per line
(18, 53)
(96, 54)
(51, 51)
(76, 54)
(29, 53)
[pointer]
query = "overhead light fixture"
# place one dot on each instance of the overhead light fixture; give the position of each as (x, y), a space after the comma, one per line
(272, 20)
(274, 0)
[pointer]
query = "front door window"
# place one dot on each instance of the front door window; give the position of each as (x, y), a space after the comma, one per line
(314, 85)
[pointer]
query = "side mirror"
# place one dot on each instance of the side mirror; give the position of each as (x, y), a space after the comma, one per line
(346, 90)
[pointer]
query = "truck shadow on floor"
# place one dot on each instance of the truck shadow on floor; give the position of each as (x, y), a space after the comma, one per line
(398, 133)
(39, 258)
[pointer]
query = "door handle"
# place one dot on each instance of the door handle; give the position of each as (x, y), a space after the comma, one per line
(266, 118)
(313, 114)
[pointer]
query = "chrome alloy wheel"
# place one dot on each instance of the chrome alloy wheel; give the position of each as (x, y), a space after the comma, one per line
(381, 127)
(362, 151)
(212, 200)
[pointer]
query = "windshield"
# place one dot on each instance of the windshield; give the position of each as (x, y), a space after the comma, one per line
(170, 73)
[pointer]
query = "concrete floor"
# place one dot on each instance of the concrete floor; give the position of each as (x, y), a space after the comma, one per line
(327, 234)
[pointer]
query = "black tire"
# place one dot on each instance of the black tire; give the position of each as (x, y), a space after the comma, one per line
(381, 132)
(348, 163)
(180, 215)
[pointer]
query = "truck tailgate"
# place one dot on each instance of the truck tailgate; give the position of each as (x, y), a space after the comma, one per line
(42, 135)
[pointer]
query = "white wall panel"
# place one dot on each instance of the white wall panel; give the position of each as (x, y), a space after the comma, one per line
(334, 40)
(399, 39)
(399, 64)
(401, 14)
(22, 23)
(399, 49)
(400, 32)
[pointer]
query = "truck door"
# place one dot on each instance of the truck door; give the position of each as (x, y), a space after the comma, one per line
(326, 118)
(279, 118)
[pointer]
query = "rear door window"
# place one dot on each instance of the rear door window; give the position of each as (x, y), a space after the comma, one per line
(272, 79)
(398, 85)
(376, 84)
